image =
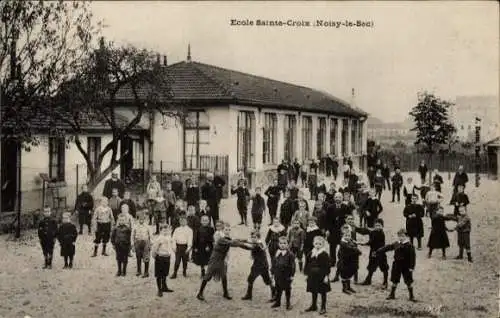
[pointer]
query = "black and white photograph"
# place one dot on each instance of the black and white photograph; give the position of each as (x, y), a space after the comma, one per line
(249, 159)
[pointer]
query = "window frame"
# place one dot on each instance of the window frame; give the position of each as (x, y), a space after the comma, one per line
(307, 137)
(269, 138)
(57, 148)
(197, 127)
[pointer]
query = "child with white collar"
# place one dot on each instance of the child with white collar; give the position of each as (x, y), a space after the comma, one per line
(348, 262)
(318, 271)
(283, 271)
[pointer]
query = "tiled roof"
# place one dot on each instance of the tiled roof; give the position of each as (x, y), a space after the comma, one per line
(194, 81)
(202, 81)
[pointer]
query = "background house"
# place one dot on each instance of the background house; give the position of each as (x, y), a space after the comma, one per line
(388, 133)
(467, 108)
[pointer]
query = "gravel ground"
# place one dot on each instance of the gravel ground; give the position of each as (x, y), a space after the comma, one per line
(444, 288)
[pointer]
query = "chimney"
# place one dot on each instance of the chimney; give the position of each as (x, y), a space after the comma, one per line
(158, 59)
(353, 98)
(189, 53)
(164, 60)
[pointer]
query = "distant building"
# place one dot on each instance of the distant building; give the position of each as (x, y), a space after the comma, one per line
(467, 108)
(493, 153)
(389, 133)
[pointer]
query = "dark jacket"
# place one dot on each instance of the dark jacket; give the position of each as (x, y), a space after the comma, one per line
(209, 193)
(121, 236)
(273, 194)
(242, 194)
(348, 255)
(258, 205)
(286, 212)
(386, 172)
(111, 184)
(397, 180)
(460, 179)
(376, 238)
(259, 256)
(47, 228)
(178, 188)
(84, 202)
(192, 195)
(404, 254)
(131, 206)
(283, 268)
(414, 225)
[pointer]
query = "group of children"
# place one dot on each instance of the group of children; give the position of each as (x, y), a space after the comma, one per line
(295, 234)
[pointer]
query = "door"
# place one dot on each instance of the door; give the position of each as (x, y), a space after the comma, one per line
(9, 177)
(126, 152)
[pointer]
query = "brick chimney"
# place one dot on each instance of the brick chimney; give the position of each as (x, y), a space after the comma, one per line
(164, 60)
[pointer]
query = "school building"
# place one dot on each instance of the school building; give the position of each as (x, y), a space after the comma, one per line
(235, 122)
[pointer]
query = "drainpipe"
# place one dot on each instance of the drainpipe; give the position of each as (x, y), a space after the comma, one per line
(151, 141)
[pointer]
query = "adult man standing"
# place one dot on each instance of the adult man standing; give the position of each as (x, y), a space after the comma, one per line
(460, 178)
(113, 183)
(178, 187)
(209, 194)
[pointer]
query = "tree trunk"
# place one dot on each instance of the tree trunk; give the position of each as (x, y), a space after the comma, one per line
(430, 168)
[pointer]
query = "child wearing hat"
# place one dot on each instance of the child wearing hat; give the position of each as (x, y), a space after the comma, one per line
(66, 235)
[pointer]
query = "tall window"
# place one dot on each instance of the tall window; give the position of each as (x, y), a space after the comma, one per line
(307, 138)
(57, 157)
(360, 136)
(333, 135)
(137, 154)
(354, 135)
(345, 131)
(269, 138)
(93, 149)
(196, 138)
(246, 149)
(290, 130)
(321, 138)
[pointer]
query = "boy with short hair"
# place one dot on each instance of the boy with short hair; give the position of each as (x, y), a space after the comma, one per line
(183, 241)
(403, 264)
(397, 183)
(283, 271)
(141, 237)
(66, 235)
(84, 206)
(160, 211)
(348, 262)
(317, 271)
(114, 203)
(376, 241)
(203, 209)
(302, 215)
(258, 208)
(161, 251)
(104, 220)
(286, 210)
(260, 266)
(460, 198)
(120, 238)
(296, 237)
(463, 232)
(47, 233)
(372, 208)
(171, 200)
(243, 195)
(360, 200)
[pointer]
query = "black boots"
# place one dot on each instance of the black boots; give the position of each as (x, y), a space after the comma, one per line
(48, 261)
(336, 278)
(392, 295)
(164, 286)
(224, 287)
(139, 265)
(202, 272)
(346, 287)
(202, 288)
(301, 266)
(104, 250)
(368, 279)
(314, 303)
(119, 272)
(248, 295)
(386, 274)
(95, 250)
(469, 257)
(146, 270)
(460, 253)
(410, 292)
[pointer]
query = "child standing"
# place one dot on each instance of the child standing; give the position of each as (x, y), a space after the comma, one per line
(360, 200)
(114, 203)
(438, 239)
(171, 199)
(66, 235)
(183, 240)
(141, 237)
(160, 211)
(409, 190)
(84, 206)
(296, 237)
(258, 208)
(193, 221)
(260, 267)
(286, 210)
(378, 183)
(433, 199)
(103, 219)
(376, 241)
(403, 264)
(372, 208)
(301, 215)
(161, 251)
(318, 271)
(153, 189)
(347, 264)
(273, 194)
(203, 209)
(463, 232)
(283, 271)
(312, 231)
(47, 233)
(276, 230)
(459, 199)
(397, 183)
(203, 243)
(414, 225)
(242, 195)
(120, 238)
(192, 193)
(217, 265)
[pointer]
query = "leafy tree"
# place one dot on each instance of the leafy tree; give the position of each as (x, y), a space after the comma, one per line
(432, 124)
(118, 87)
(40, 44)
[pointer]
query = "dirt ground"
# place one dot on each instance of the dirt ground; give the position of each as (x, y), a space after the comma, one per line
(444, 288)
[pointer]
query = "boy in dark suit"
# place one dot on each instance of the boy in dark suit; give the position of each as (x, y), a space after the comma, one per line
(258, 208)
(376, 241)
(66, 235)
(397, 183)
(84, 206)
(348, 259)
(283, 271)
(47, 233)
(403, 264)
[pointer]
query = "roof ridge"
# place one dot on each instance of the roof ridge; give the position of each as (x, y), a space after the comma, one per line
(226, 90)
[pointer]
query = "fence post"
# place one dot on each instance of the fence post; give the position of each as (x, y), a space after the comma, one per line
(161, 173)
(77, 180)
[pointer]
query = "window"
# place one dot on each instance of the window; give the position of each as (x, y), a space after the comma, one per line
(321, 138)
(196, 138)
(246, 150)
(306, 138)
(93, 149)
(345, 131)
(354, 133)
(137, 154)
(57, 156)
(333, 135)
(269, 138)
(290, 128)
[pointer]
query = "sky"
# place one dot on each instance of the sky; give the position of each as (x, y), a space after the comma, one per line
(449, 48)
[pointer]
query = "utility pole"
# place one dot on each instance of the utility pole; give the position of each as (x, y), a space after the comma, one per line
(478, 150)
